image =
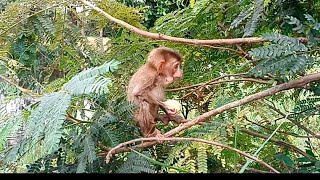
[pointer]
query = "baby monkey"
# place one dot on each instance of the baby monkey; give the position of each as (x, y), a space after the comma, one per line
(146, 90)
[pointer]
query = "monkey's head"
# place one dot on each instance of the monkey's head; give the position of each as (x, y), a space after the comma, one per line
(168, 64)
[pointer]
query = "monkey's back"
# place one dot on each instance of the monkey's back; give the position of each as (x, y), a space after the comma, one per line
(142, 79)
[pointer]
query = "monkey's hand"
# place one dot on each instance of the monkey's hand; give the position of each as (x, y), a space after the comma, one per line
(172, 112)
(173, 108)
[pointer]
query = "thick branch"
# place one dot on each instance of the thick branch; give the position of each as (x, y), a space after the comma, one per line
(285, 86)
(194, 140)
(158, 36)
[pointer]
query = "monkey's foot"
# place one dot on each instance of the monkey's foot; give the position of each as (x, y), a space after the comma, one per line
(157, 134)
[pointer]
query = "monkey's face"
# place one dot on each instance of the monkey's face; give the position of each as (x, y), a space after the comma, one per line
(177, 71)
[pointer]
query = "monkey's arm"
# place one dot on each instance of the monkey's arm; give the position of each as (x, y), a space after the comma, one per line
(141, 91)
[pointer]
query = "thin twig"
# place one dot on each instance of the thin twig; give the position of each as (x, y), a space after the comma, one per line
(75, 120)
(230, 80)
(205, 83)
(38, 12)
(292, 120)
(282, 132)
(108, 156)
(277, 141)
(23, 90)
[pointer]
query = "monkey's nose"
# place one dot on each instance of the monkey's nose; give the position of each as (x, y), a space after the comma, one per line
(178, 76)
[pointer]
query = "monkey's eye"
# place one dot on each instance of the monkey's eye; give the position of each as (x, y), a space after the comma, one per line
(175, 68)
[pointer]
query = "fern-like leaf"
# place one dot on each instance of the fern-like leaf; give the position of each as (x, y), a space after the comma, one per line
(283, 40)
(136, 164)
(106, 132)
(251, 24)
(88, 155)
(89, 149)
(89, 81)
(241, 17)
(306, 104)
(300, 28)
(306, 108)
(315, 24)
(9, 127)
(47, 119)
(202, 160)
(55, 85)
(288, 65)
(44, 24)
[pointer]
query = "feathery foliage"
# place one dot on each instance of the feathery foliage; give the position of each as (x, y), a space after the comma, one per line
(251, 24)
(136, 164)
(89, 81)
(286, 57)
(45, 126)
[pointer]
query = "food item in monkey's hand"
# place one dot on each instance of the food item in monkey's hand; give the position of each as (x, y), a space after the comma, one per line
(174, 105)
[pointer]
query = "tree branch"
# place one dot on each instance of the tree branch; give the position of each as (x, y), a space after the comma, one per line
(23, 90)
(225, 81)
(158, 36)
(75, 120)
(282, 132)
(108, 156)
(203, 84)
(271, 91)
(277, 141)
(293, 121)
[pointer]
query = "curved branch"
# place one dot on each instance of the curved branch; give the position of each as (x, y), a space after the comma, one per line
(271, 91)
(158, 36)
(108, 156)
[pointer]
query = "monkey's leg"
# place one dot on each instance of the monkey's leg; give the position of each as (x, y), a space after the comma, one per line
(145, 118)
(179, 119)
(164, 118)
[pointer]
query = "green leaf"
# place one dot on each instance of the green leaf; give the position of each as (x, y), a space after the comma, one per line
(44, 130)
(9, 127)
(285, 159)
(304, 159)
(241, 17)
(136, 164)
(90, 81)
(317, 165)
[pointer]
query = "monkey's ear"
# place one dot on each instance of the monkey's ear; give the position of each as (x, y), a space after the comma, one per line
(161, 65)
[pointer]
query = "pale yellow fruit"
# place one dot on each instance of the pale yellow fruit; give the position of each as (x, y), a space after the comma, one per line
(173, 104)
